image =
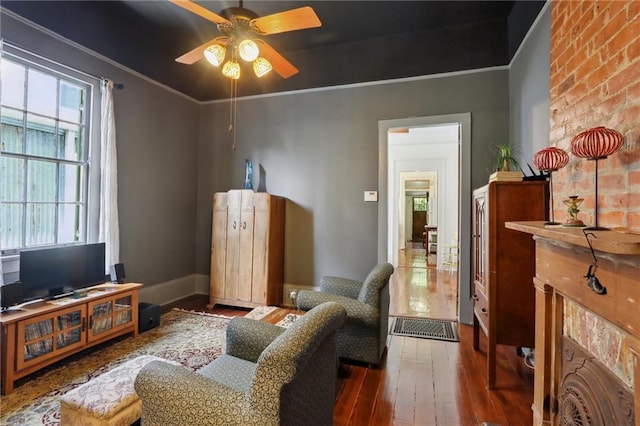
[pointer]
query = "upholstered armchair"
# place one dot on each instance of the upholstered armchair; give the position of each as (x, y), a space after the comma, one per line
(364, 336)
(267, 376)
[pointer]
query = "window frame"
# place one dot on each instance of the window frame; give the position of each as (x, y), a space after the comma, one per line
(10, 257)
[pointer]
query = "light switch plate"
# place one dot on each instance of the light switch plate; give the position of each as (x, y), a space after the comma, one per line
(371, 195)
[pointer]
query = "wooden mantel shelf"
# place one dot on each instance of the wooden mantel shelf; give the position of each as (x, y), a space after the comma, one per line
(607, 241)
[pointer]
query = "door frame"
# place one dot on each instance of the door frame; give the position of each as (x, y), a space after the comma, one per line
(465, 305)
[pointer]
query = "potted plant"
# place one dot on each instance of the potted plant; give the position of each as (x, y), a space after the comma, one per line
(504, 157)
(505, 164)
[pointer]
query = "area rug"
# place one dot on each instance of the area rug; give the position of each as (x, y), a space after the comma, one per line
(425, 328)
(190, 338)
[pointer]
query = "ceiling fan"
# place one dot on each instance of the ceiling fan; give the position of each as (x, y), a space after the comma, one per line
(241, 30)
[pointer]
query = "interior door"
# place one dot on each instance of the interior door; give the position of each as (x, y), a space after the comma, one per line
(419, 218)
(419, 221)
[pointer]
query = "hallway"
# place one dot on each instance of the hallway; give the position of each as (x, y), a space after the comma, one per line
(418, 290)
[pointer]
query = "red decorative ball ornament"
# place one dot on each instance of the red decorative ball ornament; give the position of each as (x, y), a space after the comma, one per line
(550, 159)
(596, 143)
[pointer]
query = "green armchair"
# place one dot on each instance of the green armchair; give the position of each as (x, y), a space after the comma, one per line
(268, 376)
(363, 337)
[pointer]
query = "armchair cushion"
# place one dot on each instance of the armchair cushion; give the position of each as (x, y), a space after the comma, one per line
(167, 391)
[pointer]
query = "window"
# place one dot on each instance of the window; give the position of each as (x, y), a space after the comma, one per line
(419, 204)
(46, 156)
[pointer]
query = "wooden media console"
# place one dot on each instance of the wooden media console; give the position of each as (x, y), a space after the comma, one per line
(46, 332)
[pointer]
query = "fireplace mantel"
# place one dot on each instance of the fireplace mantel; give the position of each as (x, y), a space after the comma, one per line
(562, 261)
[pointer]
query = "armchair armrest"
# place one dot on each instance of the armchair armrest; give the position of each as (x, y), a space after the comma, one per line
(356, 311)
(173, 394)
(341, 286)
(247, 338)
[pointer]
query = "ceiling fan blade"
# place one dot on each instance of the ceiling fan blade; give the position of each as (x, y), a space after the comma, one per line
(290, 20)
(201, 11)
(280, 65)
(193, 56)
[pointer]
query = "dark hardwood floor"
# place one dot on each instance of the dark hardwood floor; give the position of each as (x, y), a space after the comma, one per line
(421, 381)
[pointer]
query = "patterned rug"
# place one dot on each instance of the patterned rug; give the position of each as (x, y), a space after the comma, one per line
(190, 338)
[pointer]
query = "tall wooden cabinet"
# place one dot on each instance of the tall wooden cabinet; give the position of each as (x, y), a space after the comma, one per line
(247, 249)
(504, 265)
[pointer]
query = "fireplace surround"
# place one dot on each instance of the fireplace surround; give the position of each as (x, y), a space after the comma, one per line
(563, 260)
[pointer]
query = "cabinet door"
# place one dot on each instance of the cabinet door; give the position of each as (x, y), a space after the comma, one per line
(480, 241)
(109, 315)
(246, 247)
(232, 261)
(49, 335)
(261, 255)
(219, 245)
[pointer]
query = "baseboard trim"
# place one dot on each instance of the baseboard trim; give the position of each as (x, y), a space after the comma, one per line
(174, 290)
(180, 288)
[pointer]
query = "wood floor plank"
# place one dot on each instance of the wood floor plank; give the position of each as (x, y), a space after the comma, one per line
(343, 409)
(367, 398)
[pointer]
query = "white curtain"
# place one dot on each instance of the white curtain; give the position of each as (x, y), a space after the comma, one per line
(1, 272)
(109, 226)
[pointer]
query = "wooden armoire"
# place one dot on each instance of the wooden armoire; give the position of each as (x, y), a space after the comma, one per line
(247, 249)
(504, 265)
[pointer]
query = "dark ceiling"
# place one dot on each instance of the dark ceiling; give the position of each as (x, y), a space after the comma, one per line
(359, 41)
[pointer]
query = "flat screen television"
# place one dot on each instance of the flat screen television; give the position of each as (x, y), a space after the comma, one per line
(53, 272)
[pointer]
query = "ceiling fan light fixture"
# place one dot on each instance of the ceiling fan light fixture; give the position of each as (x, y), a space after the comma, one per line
(215, 54)
(248, 50)
(231, 69)
(261, 66)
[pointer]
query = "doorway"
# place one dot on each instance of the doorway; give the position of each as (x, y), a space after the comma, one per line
(389, 208)
(419, 203)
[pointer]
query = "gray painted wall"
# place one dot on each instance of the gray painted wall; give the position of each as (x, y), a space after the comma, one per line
(320, 150)
(157, 134)
(529, 92)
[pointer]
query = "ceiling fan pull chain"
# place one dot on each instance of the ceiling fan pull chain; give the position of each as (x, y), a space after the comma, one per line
(232, 111)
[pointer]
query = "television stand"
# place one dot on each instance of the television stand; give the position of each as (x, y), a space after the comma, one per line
(40, 334)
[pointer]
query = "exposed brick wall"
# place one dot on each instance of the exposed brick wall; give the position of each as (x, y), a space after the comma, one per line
(595, 81)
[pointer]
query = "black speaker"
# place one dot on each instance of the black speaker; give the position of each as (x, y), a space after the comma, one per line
(148, 316)
(117, 273)
(11, 294)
